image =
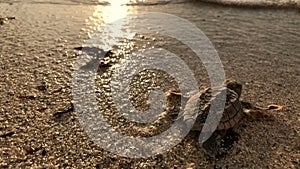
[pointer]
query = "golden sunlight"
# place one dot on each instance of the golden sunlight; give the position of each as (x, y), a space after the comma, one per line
(108, 20)
(116, 10)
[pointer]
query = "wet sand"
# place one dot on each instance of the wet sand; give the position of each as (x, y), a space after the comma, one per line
(258, 47)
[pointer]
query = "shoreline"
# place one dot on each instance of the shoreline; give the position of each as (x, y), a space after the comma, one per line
(253, 5)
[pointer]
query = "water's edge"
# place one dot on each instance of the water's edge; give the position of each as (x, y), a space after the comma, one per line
(239, 3)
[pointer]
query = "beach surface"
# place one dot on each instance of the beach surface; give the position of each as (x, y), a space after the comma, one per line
(258, 46)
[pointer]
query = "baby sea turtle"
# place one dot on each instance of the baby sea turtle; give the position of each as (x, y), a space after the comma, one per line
(233, 113)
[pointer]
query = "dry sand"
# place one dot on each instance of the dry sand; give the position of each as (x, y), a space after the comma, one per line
(258, 47)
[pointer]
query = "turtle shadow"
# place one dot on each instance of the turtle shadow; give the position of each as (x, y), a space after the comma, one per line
(261, 143)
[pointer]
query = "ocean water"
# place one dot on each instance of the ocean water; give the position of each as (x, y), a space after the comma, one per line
(262, 3)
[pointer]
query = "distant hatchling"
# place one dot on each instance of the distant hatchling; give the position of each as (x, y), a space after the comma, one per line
(5, 19)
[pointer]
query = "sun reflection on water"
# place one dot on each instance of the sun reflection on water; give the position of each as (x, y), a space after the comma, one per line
(116, 10)
(106, 19)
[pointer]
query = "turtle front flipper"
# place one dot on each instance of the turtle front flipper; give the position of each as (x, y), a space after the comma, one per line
(256, 112)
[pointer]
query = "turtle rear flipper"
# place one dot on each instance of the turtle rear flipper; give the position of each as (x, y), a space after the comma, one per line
(220, 143)
(210, 146)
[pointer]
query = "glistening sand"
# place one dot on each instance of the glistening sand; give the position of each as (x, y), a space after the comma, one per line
(258, 46)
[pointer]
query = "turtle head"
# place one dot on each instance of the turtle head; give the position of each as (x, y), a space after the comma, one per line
(235, 86)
